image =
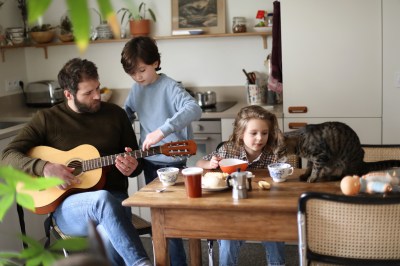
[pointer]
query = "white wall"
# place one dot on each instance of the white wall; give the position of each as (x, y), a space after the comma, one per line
(391, 72)
(195, 62)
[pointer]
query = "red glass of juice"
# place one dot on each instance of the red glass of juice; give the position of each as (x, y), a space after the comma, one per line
(192, 177)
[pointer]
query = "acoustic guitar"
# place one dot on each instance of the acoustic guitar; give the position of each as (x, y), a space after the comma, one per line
(88, 167)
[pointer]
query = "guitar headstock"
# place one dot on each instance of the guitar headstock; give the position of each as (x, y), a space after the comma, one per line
(179, 148)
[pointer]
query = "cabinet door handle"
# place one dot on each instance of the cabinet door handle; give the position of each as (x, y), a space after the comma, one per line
(297, 125)
(200, 139)
(297, 109)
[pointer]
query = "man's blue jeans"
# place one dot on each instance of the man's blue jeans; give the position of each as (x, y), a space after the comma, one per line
(175, 245)
(113, 222)
(229, 252)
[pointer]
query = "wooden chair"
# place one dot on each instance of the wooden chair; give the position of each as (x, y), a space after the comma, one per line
(375, 153)
(348, 230)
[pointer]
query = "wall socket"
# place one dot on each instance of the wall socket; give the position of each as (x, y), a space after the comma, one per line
(13, 85)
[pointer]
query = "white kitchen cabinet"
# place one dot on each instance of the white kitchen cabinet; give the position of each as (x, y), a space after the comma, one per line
(368, 129)
(226, 128)
(332, 62)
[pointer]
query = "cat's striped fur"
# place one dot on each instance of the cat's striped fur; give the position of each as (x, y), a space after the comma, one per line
(333, 150)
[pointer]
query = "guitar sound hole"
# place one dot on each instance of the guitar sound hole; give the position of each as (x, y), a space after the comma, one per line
(78, 167)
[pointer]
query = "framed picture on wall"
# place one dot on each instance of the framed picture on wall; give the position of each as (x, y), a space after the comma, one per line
(205, 15)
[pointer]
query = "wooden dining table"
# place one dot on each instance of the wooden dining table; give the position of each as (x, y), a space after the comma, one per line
(265, 215)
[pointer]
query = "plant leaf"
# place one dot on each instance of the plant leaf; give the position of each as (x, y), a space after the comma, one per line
(34, 261)
(79, 12)
(73, 244)
(49, 258)
(32, 243)
(108, 12)
(36, 8)
(41, 183)
(6, 189)
(25, 201)
(5, 203)
(153, 16)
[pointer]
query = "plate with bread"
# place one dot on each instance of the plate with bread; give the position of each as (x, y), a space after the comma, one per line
(214, 181)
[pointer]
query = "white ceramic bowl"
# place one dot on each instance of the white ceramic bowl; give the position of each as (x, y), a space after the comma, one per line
(168, 175)
(262, 29)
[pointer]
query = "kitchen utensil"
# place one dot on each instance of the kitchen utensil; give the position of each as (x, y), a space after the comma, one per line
(251, 77)
(206, 99)
(239, 184)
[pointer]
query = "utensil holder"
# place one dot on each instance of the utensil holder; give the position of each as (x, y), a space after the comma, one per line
(256, 95)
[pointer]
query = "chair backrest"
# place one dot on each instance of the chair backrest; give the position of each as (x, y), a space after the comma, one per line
(349, 230)
(375, 153)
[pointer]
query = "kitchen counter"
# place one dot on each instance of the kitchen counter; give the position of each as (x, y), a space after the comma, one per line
(233, 111)
(13, 109)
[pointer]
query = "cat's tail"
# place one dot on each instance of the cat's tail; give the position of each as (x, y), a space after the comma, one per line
(379, 166)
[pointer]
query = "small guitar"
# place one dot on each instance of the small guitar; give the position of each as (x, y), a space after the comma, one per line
(88, 167)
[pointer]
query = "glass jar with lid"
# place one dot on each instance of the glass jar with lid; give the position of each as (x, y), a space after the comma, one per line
(239, 24)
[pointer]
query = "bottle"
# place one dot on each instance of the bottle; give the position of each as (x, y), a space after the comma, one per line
(270, 19)
(239, 24)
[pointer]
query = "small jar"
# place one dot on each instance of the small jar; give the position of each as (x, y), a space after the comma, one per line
(239, 24)
(270, 19)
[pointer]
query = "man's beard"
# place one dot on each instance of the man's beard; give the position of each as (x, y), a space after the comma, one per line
(84, 108)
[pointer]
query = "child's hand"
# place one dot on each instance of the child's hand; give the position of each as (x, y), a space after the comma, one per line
(152, 138)
(214, 162)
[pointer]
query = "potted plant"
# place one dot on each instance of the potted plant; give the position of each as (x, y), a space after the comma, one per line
(42, 34)
(138, 23)
(66, 33)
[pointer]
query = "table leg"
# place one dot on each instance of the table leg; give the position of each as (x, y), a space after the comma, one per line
(195, 252)
(160, 243)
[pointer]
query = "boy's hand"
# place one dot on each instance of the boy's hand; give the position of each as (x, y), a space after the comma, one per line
(152, 138)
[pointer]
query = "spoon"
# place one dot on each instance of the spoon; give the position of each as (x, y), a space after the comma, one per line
(160, 190)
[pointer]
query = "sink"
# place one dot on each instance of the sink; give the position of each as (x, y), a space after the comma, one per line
(7, 124)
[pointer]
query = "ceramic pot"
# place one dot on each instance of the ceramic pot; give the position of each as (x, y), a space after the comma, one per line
(139, 27)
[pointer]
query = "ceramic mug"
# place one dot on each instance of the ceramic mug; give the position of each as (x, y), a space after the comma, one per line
(279, 171)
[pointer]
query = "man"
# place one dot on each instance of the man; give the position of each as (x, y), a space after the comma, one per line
(84, 119)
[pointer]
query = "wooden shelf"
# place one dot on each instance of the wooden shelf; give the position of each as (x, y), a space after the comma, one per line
(263, 35)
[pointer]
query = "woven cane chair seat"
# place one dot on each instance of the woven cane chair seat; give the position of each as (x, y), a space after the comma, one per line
(356, 230)
(375, 153)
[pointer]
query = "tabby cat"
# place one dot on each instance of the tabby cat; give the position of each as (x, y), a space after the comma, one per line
(333, 150)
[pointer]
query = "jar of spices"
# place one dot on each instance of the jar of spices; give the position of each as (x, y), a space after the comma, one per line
(239, 24)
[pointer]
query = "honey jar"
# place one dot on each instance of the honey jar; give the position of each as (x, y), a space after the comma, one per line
(239, 25)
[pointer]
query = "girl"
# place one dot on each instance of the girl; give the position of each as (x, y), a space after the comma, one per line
(255, 136)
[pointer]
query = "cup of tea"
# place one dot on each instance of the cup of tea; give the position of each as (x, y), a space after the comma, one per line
(192, 177)
(279, 171)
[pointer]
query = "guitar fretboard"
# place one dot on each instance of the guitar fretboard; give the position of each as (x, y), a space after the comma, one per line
(91, 164)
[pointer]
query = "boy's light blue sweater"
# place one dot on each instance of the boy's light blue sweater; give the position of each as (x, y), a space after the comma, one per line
(163, 104)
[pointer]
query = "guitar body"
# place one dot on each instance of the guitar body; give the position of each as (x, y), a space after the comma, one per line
(46, 201)
(89, 168)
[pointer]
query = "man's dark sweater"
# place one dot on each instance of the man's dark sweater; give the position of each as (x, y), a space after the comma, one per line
(109, 130)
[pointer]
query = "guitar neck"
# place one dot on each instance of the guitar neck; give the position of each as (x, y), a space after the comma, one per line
(91, 164)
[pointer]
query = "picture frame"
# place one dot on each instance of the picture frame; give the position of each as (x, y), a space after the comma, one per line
(205, 15)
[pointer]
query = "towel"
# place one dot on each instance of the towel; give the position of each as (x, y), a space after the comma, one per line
(275, 75)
